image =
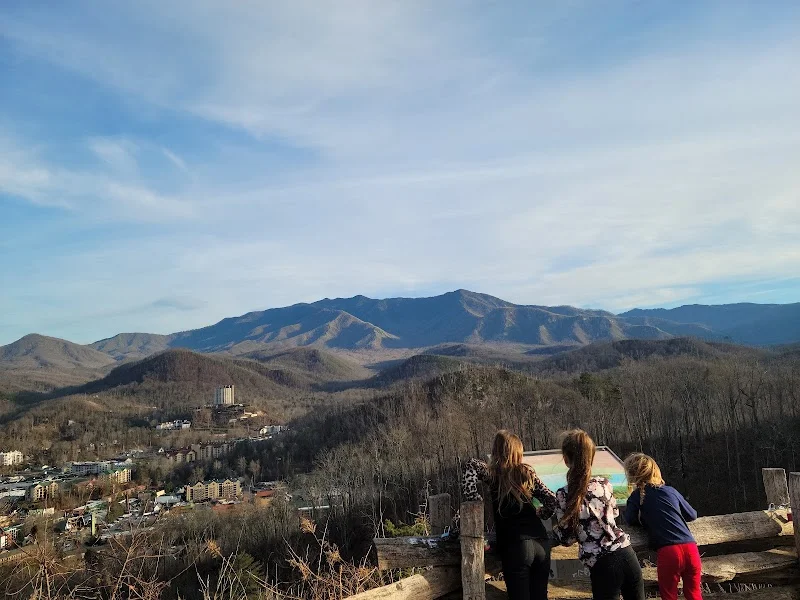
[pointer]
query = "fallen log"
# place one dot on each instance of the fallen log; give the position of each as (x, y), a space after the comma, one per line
(739, 527)
(433, 583)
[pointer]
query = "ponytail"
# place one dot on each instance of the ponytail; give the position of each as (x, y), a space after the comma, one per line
(578, 450)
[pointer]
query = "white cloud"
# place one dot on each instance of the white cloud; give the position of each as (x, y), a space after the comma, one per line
(120, 155)
(99, 195)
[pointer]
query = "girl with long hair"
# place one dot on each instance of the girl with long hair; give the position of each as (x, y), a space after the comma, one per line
(522, 540)
(587, 511)
(664, 512)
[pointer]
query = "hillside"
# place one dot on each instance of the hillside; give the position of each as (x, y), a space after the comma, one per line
(192, 376)
(133, 345)
(421, 366)
(313, 364)
(608, 355)
(42, 352)
(744, 323)
(283, 328)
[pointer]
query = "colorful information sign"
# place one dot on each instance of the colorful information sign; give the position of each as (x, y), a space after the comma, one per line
(550, 467)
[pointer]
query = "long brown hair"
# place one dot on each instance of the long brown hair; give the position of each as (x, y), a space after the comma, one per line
(512, 478)
(642, 470)
(578, 450)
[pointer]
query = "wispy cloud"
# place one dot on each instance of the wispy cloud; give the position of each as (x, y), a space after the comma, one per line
(175, 159)
(118, 154)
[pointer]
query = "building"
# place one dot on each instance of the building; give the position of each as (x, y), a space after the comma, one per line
(223, 396)
(118, 475)
(210, 451)
(90, 468)
(175, 425)
(181, 455)
(230, 489)
(271, 429)
(9, 459)
(167, 501)
(214, 490)
(42, 491)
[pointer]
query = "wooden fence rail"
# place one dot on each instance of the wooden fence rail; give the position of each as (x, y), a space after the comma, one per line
(759, 547)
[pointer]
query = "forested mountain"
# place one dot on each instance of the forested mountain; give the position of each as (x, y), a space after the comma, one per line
(608, 355)
(40, 363)
(133, 345)
(744, 323)
(464, 317)
(460, 321)
(312, 365)
(38, 351)
(362, 323)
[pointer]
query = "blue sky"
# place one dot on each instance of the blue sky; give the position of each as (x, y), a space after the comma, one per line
(167, 164)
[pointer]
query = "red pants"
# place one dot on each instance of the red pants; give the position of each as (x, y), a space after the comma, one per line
(681, 561)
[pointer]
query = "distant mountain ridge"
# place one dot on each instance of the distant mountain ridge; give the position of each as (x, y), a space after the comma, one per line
(744, 323)
(460, 317)
(362, 323)
(36, 351)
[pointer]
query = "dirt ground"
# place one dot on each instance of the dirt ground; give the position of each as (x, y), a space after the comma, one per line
(496, 590)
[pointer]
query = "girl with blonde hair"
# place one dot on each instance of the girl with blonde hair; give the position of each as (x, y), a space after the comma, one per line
(664, 513)
(586, 511)
(522, 540)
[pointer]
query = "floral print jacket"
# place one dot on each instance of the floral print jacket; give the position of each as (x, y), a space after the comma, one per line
(597, 531)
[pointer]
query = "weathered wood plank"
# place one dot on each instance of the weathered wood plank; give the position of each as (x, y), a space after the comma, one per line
(441, 513)
(742, 567)
(794, 496)
(727, 529)
(473, 568)
(743, 528)
(433, 583)
(775, 486)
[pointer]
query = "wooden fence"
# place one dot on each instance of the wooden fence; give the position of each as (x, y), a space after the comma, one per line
(760, 547)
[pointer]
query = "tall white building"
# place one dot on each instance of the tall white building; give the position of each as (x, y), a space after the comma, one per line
(8, 459)
(223, 396)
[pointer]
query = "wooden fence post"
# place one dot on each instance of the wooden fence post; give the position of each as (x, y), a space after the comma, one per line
(441, 513)
(775, 486)
(473, 568)
(794, 496)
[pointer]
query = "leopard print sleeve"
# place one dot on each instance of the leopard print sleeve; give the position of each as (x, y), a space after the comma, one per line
(545, 496)
(474, 471)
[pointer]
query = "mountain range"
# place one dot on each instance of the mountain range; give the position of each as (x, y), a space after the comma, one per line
(368, 326)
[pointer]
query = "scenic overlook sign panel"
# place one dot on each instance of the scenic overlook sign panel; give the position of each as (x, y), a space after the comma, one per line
(551, 469)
